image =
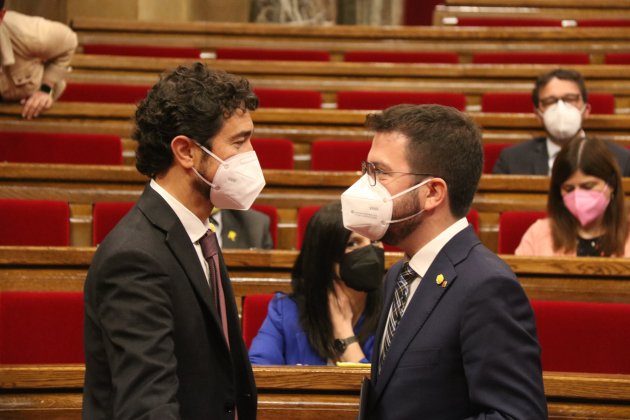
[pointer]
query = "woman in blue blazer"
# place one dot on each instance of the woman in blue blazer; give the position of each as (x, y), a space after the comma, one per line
(333, 309)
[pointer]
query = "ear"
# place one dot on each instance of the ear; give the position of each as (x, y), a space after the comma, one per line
(587, 111)
(436, 194)
(182, 146)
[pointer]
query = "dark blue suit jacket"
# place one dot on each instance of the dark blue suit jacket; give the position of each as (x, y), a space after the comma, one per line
(467, 350)
(282, 341)
(531, 158)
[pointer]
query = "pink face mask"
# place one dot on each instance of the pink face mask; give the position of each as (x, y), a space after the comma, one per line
(586, 205)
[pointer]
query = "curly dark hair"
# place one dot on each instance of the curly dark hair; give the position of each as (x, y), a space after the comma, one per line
(193, 101)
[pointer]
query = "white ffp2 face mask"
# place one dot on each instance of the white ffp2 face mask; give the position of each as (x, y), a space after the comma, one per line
(237, 182)
(368, 210)
(562, 121)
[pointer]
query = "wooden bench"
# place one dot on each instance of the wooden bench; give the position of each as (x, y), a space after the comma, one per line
(337, 39)
(473, 80)
(298, 392)
(264, 272)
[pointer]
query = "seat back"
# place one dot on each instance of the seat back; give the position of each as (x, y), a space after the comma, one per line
(491, 152)
(254, 313)
(34, 222)
(274, 153)
(601, 103)
(583, 336)
(378, 100)
(41, 327)
(63, 148)
(504, 21)
(303, 216)
(602, 23)
(106, 215)
(512, 227)
(617, 58)
(271, 54)
(530, 58)
(104, 93)
(401, 57)
(141, 50)
(272, 213)
(288, 98)
(338, 155)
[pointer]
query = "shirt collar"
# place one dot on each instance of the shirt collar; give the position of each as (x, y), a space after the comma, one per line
(194, 227)
(423, 259)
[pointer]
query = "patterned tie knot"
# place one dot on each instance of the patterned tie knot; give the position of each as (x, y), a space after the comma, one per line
(407, 273)
(209, 244)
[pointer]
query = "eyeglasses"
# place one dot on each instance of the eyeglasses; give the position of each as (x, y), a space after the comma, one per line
(570, 98)
(374, 173)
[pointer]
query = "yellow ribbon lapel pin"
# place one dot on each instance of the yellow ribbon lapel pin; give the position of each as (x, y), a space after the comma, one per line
(440, 280)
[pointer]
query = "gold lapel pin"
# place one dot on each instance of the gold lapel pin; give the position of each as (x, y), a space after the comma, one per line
(232, 235)
(439, 279)
(213, 228)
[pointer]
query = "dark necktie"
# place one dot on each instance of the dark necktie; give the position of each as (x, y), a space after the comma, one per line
(210, 250)
(401, 294)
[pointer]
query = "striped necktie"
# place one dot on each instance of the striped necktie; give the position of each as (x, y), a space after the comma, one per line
(210, 251)
(401, 294)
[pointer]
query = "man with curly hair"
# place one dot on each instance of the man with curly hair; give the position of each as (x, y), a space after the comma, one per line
(162, 334)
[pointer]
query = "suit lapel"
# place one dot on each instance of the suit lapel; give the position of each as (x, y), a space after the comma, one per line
(541, 163)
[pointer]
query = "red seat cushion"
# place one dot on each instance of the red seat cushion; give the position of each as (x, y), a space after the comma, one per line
(401, 57)
(104, 93)
(531, 58)
(491, 152)
(274, 153)
(272, 213)
(141, 50)
(303, 216)
(511, 22)
(606, 23)
(583, 336)
(68, 148)
(617, 58)
(34, 223)
(601, 103)
(105, 216)
(288, 98)
(512, 227)
(41, 327)
(271, 54)
(338, 155)
(254, 313)
(381, 100)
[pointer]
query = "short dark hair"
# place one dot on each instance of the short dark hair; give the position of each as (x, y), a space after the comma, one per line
(443, 142)
(562, 74)
(1, 4)
(592, 157)
(191, 100)
(324, 245)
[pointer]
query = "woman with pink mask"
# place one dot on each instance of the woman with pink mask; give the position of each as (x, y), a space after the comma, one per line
(586, 210)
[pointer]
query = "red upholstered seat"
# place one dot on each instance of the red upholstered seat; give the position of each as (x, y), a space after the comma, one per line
(606, 23)
(530, 58)
(601, 103)
(491, 152)
(34, 223)
(401, 57)
(381, 100)
(510, 22)
(473, 219)
(41, 327)
(288, 98)
(303, 216)
(254, 313)
(106, 215)
(338, 155)
(70, 148)
(274, 153)
(141, 50)
(104, 93)
(272, 212)
(512, 227)
(617, 58)
(584, 336)
(271, 54)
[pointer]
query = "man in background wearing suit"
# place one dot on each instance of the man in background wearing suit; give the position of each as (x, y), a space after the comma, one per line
(561, 103)
(242, 229)
(457, 337)
(162, 333)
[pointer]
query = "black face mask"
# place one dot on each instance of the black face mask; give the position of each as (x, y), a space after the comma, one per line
(363, 268)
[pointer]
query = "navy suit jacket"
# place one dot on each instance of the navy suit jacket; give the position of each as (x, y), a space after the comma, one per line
(467, 350)
(154, 348)
(531, 158)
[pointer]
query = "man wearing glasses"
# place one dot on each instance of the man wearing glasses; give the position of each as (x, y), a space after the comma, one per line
(457, 336)
(561, 105)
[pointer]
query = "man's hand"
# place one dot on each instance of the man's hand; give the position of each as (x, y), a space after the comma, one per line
(35, 104)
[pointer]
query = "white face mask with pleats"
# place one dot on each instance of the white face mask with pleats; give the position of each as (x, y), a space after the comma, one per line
(237, 182)
(562, 121)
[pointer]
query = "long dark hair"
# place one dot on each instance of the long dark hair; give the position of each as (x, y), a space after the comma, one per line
(324, 244)
(593, 158)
